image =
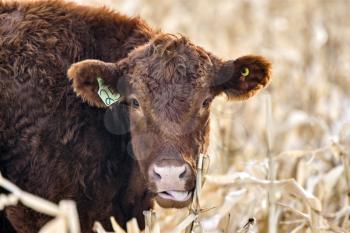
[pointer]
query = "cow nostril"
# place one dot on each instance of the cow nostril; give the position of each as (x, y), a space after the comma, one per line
(157, 175)
(182, 174)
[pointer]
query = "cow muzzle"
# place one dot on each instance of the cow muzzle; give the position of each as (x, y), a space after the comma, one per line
(174, 182)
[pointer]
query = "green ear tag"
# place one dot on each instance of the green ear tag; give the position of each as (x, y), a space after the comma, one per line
(107, 95)
(245, 71)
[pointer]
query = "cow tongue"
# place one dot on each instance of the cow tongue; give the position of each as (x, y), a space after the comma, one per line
(175, 195)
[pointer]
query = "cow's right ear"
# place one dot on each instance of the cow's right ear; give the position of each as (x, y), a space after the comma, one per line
(95, 81)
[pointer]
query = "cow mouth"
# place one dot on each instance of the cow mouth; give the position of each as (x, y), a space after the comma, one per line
(174, 199)
(176, 195)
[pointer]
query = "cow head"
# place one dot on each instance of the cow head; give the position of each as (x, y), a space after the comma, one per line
(168, 85)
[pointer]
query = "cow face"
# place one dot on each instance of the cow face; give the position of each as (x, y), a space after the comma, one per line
(168, 86)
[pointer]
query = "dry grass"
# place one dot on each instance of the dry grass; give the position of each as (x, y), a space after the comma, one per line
(279, 165)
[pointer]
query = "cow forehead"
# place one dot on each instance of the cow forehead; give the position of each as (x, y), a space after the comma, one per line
(170, 75)
(169, 99)
(171, 87)
(169, 60)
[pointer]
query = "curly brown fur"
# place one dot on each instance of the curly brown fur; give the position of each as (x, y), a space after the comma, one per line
(51, 143)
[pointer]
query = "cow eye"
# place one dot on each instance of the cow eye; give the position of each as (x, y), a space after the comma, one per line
(206, 103)
(135, 103)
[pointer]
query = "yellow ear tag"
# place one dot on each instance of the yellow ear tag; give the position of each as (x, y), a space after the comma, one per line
(245, 71)
(107, 95)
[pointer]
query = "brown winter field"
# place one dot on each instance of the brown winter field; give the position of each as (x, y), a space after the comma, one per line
(279, 162)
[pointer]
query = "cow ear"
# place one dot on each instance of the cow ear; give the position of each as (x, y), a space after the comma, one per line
(243, 77)
(95, 82)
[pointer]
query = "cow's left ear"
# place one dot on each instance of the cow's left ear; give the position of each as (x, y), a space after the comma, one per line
(241, 78)
(95, 81)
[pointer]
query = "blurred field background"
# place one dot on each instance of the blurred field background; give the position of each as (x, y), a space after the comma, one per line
(308, 43)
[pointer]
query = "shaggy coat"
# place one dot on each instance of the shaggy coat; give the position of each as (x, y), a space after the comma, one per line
(59, 141)
(52, 144)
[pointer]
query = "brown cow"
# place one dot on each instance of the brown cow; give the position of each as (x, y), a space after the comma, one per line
(59, 140)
